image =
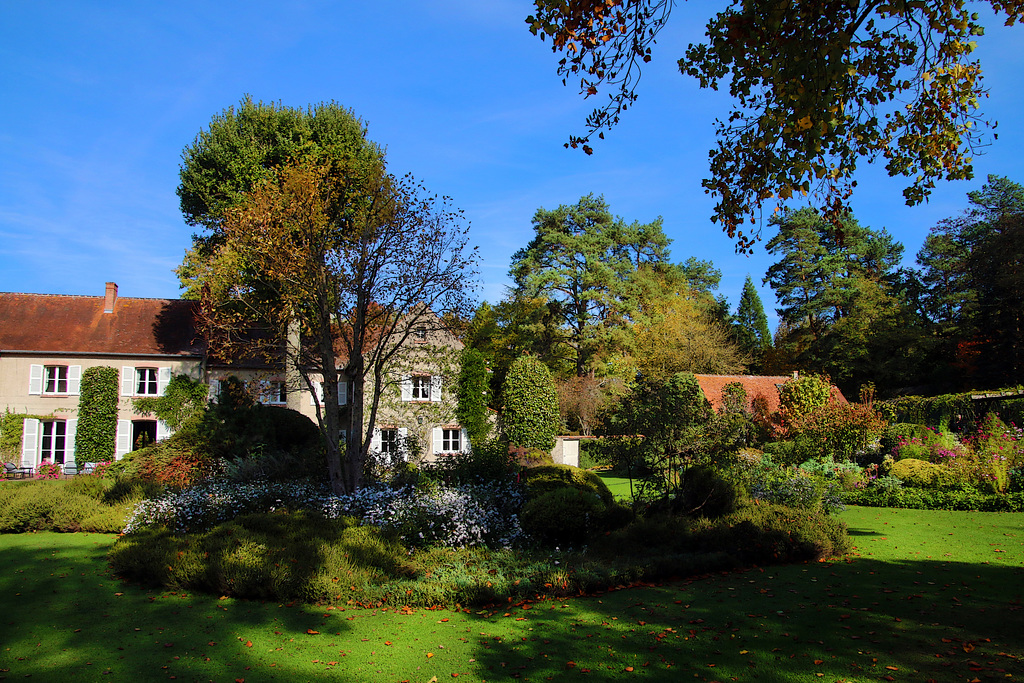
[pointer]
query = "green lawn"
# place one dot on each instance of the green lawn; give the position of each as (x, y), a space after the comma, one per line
(926, 596)
(619, 486)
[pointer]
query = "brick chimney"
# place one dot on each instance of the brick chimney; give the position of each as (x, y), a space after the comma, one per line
(110, 297)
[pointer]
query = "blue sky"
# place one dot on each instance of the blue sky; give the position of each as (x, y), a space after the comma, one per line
(97, 100)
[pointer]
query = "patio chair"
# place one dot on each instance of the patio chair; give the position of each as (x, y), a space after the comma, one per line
(70, 469)
(12, 471)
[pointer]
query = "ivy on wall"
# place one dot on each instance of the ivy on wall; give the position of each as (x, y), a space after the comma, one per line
(955, 411)
(472, 395)
(183, 401)
(97, 415)
(11, 425)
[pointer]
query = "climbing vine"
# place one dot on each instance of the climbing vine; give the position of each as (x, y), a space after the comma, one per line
(97, 415)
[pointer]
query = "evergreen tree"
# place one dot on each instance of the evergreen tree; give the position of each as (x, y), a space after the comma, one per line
(752, 324)
(581, 259)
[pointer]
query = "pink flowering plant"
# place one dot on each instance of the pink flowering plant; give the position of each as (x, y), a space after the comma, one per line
(48, 470)
(983, 459)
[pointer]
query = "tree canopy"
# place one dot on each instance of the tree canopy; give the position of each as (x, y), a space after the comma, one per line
(971, 280)
(583, 260)
(817, 86)
(331, 262)
(242, 147)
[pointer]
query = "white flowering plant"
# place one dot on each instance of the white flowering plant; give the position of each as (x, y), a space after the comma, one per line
(452, 516)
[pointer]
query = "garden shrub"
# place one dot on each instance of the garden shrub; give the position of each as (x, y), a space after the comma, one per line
(489, 461)
(955, 498)
(837, 431)
(540, 480)
(919, 473)
(530, 417)
(707, 493)
(56, 506)
(564, 516)
(791, 487)
(896, 432)
(783, 452)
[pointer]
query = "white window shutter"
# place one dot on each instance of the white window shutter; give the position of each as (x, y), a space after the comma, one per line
(435, 388)
(375, 441)
(74, 380)
(403, 434)
(317, 395)
(437, 439)
(124, 438)
(163, 378)
(342, 393)
(162, 430)
(127, 382)
(70, 429)
(213, 395)
(464, 441)
(29, 442)
(35, 379)
(406, 388)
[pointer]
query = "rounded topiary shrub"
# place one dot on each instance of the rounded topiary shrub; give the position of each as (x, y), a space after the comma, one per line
(564, 516)
(541, 480)
(530, 415)
(919, 473)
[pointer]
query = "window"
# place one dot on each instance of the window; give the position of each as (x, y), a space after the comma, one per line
(389, 442)
(451, 440)
(146, 382)
(420, 334)
(53, 441)
(421, 388)
(143, 433)
(273, 393)
(56, 379)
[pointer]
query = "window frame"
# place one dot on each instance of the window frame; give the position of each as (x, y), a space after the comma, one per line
(153, 382)
(48, 378)
(422, 385)
(448, 441)
(49, 439)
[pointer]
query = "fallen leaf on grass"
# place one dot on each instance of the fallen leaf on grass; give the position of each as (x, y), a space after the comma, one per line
(248, 643)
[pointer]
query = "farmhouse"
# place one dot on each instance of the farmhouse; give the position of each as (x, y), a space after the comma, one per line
(47, 341)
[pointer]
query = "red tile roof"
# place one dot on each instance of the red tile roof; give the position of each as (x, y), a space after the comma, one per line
(48, 323)
(755, 385)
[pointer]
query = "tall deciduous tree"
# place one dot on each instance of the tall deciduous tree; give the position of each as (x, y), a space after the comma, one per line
(331, 267)
(582, 259)
(678, 334)
(817, 87)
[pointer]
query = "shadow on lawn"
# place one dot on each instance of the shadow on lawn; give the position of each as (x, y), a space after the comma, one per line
(849, 620)
(63, 615)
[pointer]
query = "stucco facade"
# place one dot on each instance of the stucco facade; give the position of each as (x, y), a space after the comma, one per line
(47, 342)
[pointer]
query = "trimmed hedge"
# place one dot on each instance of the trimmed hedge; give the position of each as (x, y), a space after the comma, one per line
(965, 499)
